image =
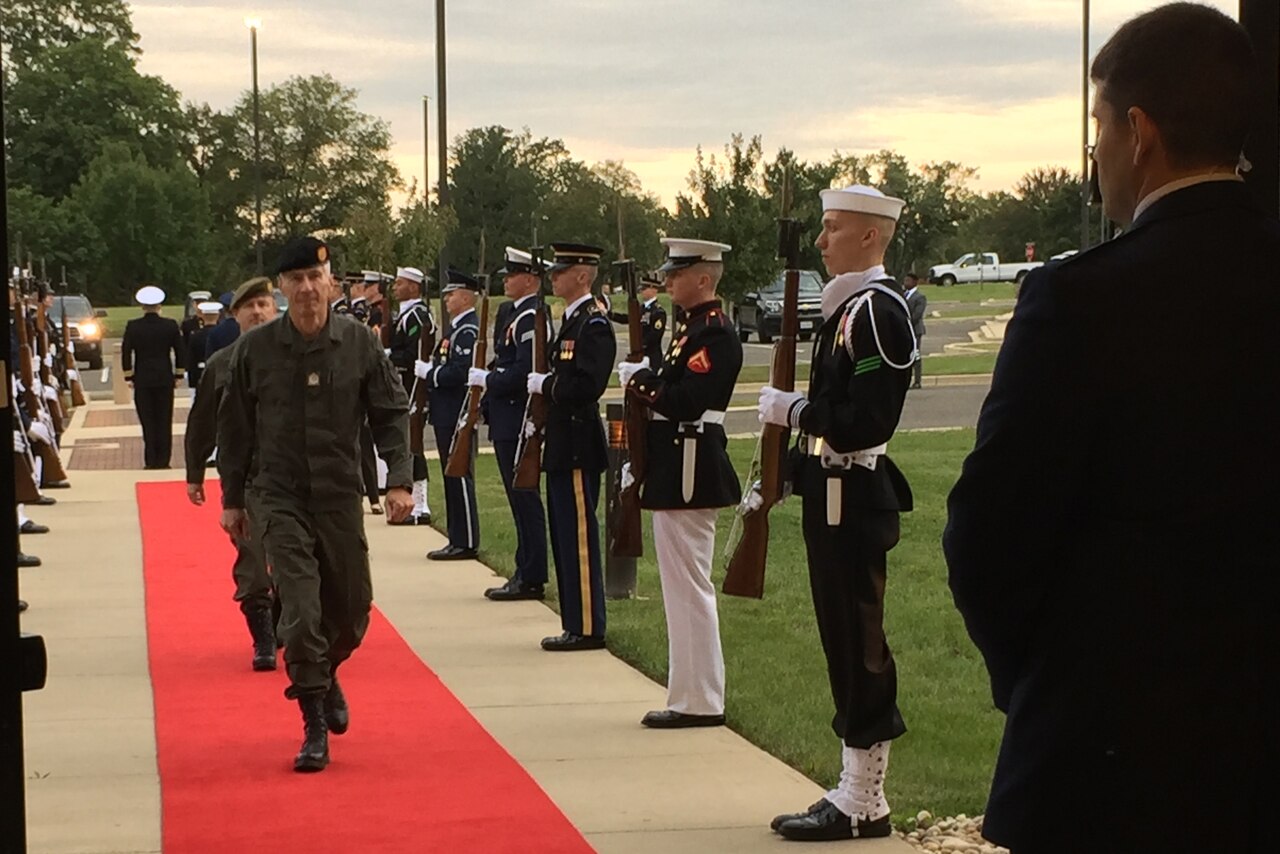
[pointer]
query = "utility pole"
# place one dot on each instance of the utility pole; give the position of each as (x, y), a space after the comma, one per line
(254, 24)
(442, 144)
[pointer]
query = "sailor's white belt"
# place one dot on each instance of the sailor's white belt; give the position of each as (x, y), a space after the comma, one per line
(866, 458)
(711, 416)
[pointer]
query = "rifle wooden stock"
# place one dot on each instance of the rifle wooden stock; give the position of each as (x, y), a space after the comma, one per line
(626, 533)
(529, 451)
(459, 464)
(69, 363)
(421, 403)
(25, 371)
(24, 484)
(54, 404)
(745, 573)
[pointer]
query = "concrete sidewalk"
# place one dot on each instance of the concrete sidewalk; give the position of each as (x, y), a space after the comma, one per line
(572, 720)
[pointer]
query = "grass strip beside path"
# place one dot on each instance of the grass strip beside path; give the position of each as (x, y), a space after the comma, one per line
(778, 694)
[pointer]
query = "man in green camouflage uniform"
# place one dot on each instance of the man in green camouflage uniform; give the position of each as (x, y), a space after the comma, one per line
(298, 391)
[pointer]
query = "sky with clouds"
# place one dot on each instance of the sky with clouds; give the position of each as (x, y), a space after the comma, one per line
(994, 84)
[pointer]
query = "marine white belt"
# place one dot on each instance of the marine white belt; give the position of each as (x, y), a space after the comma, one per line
(711, 416)
(866, 458)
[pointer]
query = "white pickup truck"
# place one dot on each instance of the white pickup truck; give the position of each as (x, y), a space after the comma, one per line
(980, 267)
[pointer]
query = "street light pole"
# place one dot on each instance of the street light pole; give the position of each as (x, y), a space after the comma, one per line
(254, 24)
(426, 151)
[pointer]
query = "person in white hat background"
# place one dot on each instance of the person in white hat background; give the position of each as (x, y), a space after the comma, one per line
(851, 496)
(413, 320)
(686, 395)
(153, 361)
(208, 313)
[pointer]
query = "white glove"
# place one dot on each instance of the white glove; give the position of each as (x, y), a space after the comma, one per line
(782, 408)
(48, 360)
(753, 500)
(627, 370)
(73, 376)
(477, 377)
(535, 382)
(421, 369)
(529, 429)
(19, 444)
(627, 480)
(71, 346)
(37, 387)
(387, 351)
(50, 393)
(40, 433)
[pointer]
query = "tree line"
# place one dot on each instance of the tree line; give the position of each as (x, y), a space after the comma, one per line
(114, 177)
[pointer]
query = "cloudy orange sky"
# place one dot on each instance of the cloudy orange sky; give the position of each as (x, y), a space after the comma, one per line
(994, 84)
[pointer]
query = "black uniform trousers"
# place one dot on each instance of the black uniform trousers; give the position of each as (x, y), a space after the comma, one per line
(463, 520)
(154, 405)
(530, 518)
(847, 566)
(368, 465)
(572, 497)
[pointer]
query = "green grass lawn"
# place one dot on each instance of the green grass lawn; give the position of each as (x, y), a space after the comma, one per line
(965, 363)
(981, 311)
(778, 695)
(971, 292)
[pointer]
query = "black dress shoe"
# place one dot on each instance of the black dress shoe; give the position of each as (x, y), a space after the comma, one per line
(22, 605)
(29, 527)
(515, 590)
(57, 484)
(45, 501)
(670, 719)
(28, 560)
(452, 553)
(571, 643)
(780, 820)
(828, 824)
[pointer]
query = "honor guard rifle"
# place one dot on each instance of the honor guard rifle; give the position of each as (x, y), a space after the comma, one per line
(745, 573)
(52, 470)
(44, 359)
(529, 446)
(626, 536)
(69, 360)
(421, 403)
(460, 450)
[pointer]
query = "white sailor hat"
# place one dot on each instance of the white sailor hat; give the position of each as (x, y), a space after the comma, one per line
(371, 277)
(860, 198)
(518, 261)
(149, 295)
(683, 253)
(208, 307)
(413, 274)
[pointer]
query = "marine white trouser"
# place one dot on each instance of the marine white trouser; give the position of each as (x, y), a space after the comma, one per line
(860, 793)
(685, 542)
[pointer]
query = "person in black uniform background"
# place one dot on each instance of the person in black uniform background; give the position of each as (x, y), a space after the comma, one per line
(918, 304)
(226, 332)
(505, 384)
(851, 495)
(575, 452)
(653, 319)
(687, 395)
(145, 353)
(207, 316)
(1112, 538)
(413, 320)
(446, 379)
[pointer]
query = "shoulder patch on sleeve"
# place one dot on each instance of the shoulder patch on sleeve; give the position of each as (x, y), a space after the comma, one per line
(700, 362)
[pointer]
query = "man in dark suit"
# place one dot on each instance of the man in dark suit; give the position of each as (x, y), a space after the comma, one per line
(917, 305)
(1112, 541)
(505, 397)
(145, 356)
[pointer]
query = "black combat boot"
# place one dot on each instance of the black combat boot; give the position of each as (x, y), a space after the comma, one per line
(336, 714)
(314, 755)
(262, 628)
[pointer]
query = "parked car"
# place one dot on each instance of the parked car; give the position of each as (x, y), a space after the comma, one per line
(980, 267)
(761, 311)
(83, 322)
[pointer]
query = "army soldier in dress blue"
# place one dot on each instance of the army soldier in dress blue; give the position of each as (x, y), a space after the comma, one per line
(687, 395)
(298, 391)
(653, 319)
(339, 303)
(505, 385)
(149, 342)
(574, 452)
(446, 379)
(412, 320)
(851, 495)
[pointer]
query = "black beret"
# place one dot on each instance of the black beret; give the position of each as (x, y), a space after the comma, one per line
(301, 253)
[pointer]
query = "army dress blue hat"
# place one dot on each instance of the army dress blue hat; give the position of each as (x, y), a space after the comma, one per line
(459, 281)
(302, 253)
(568, 255)
(149, 295)
(682, 252)
(226, 299)
(519, 261)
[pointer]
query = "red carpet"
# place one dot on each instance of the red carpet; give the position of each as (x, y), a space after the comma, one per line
(416, 772)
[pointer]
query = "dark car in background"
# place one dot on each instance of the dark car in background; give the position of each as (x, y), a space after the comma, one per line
(761, 311)
(85, 325)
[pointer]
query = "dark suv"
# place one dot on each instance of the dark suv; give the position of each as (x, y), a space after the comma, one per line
(85, 326)
(761, 311)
